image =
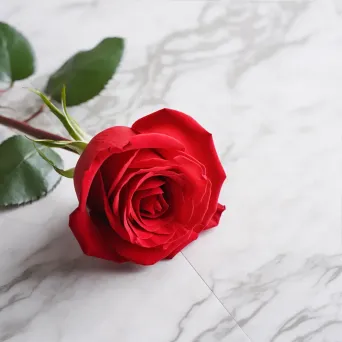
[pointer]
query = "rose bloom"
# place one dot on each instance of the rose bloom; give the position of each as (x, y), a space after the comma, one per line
(147, 191)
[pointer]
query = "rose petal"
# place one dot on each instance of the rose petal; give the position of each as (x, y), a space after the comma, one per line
(139, 234)
(181, 233)
(197, 190)
(214, 221)
(142, 237)
(94, 236)
(148, 256)
(163, 203)
(96, 196)
(148, 204)
(150, 225)
(114, 221)
(138, 197)
(134, 179)
(102, 146)
(108, 142)
(149, 240)
(179, 200)
(202, 207)
(130, 189)
(197, 180)
(147, 154)
(192, 236)
(155, 140)
(152, 162)
(197, 141)
(115, 167)
(157, 206)
(153, 182)
(138, 176)
(130, 181)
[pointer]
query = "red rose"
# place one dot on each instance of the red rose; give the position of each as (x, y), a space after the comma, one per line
(146, 192)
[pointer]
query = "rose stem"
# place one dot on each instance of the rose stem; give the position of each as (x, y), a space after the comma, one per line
(36, 113)
(30, 130)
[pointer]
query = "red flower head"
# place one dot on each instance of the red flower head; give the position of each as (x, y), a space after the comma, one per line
(146, 192)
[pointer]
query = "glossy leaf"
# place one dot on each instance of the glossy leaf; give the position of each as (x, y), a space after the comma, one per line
(86, 73)
(17, 59)
(24, 175)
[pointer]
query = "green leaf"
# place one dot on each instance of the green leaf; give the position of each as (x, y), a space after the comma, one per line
(24, 176)
(86, 73)
(77, 146)
(17, 60)
(66, 173)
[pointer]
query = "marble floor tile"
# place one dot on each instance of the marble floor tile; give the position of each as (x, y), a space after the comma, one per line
(265, 77)
(275, 260)
(50, 291)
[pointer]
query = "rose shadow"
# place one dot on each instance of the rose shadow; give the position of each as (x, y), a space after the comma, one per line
(62, 255)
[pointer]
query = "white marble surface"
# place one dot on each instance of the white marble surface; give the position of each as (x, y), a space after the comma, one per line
(266, 79)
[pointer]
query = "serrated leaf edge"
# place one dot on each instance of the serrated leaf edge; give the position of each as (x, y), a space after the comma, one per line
(34, 199)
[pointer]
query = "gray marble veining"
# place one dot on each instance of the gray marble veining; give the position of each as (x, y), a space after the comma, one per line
(265, 78)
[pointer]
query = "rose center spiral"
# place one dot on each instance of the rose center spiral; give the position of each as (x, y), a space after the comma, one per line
(153, 206)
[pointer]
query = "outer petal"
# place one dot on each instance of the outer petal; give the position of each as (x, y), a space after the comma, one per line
(214, 221)
(115, 167)
(197, 141)
(149, 256)
(193, 236)
(102, 146)
(155, 140)
(108, 142)
(201, 192)
(98, 194)
(93, 236)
